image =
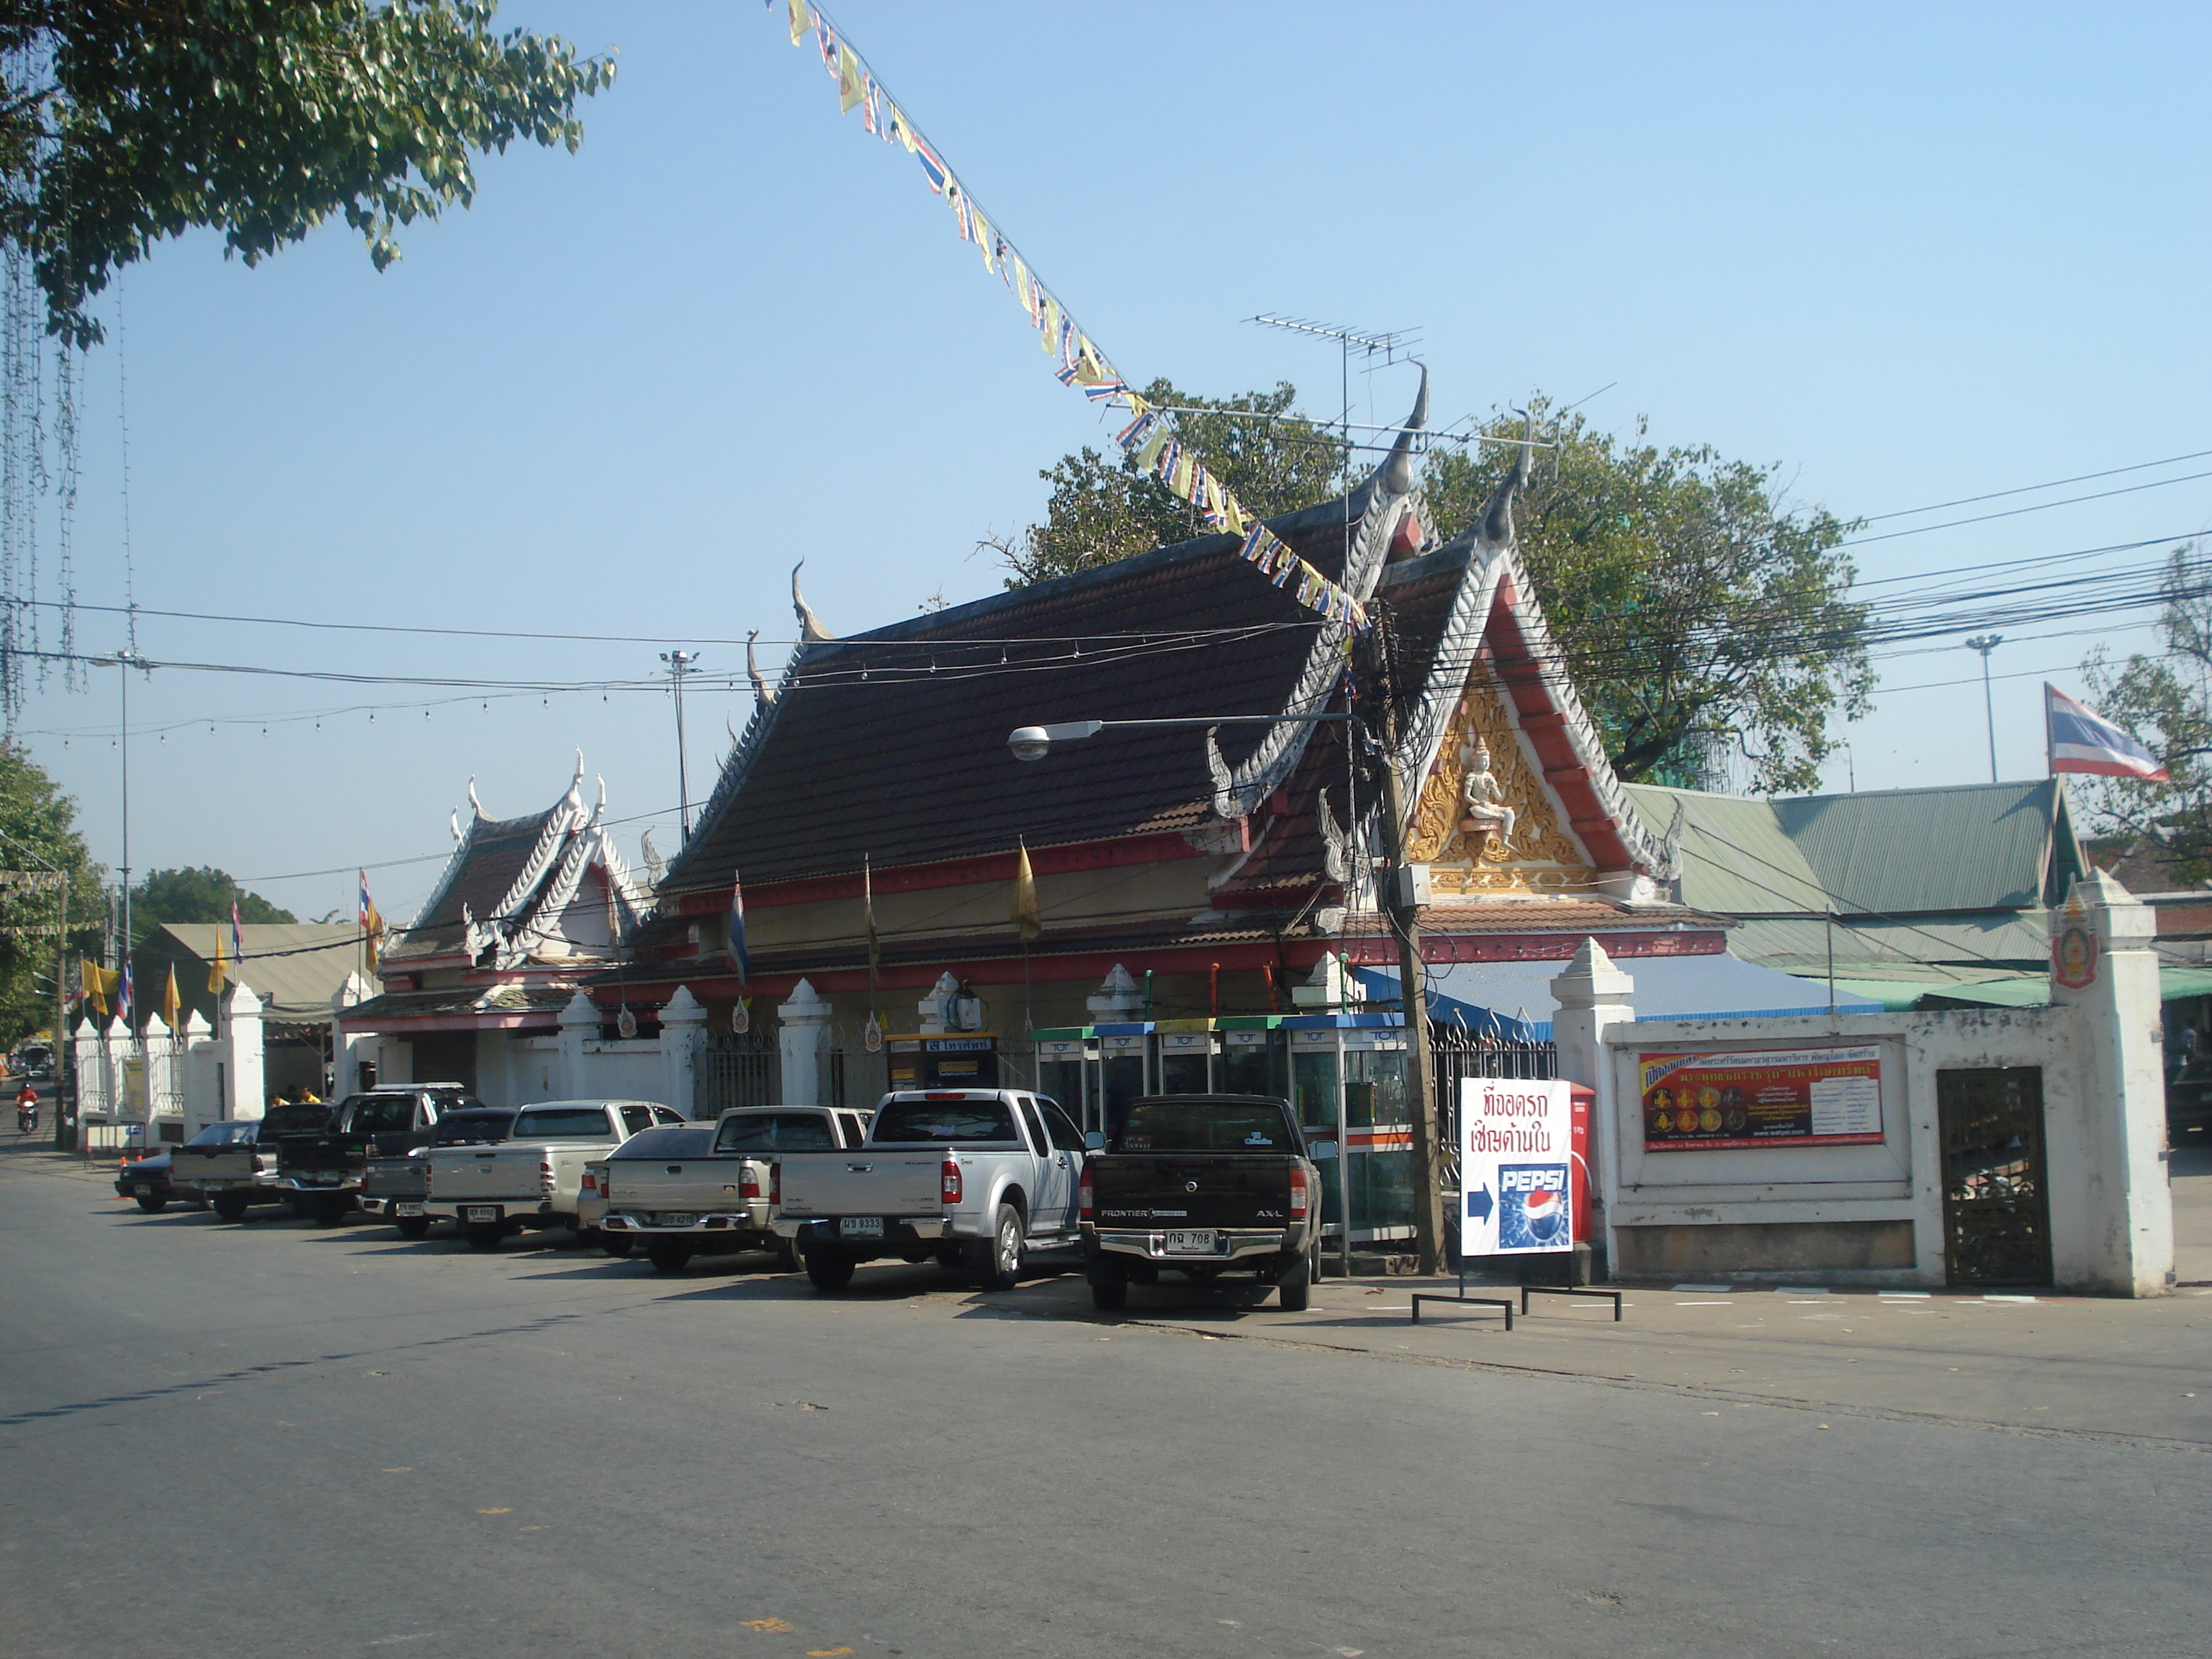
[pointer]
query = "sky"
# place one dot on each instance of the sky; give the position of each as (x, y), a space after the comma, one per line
(1912, 254)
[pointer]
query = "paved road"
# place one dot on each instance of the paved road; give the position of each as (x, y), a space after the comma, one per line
(272, 1439)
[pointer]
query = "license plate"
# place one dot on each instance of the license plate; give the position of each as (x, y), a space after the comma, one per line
(859, 1226)
(1193, 1244)
(143, 1191)
(483, 1213)
(407, 1209)
(674, 1219)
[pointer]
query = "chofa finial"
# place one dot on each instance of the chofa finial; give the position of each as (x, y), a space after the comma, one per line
(810, 630)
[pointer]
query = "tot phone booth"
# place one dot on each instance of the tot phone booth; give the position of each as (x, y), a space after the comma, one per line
(1524, 1179)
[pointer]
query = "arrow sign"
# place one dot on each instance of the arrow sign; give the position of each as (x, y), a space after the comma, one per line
(1479, 1203)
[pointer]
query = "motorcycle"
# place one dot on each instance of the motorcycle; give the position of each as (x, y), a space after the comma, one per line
(27, 1120)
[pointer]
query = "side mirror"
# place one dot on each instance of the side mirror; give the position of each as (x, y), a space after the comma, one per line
(1094, 1142)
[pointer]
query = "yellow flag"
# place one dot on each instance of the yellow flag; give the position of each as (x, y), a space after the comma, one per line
(1029, 922)
(850, 89)
(372, 935)
(218, 970)
(92, 987)
(802, 19)
(169, 999)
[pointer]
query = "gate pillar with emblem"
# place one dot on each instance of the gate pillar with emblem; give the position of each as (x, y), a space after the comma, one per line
(1594, 996)
(2111, 1210)
(805, 1044)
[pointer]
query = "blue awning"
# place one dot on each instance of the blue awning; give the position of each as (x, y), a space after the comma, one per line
(1450, 1011)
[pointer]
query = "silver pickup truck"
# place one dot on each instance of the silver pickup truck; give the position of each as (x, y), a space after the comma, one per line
(392, 1187)
(716, 1198)
(978, 1178)
(535, 1177)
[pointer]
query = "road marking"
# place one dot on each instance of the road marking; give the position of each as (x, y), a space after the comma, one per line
(782, 1627)
(827, 1653)
(2008, 1299)
(1705, 1304)
(505, 1511)
(1704, 1289)
(409, 1470)
(1802, 1290)
(419, 1635)
(1903, 1295)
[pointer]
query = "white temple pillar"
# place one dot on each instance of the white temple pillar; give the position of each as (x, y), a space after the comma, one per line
(805, 1046)
(195, 1071)
(244, 1084)
(349, 1050)
(95, 1088)
(682, 1034)
(157, 1054)
(1594, 996)
(580, 1023)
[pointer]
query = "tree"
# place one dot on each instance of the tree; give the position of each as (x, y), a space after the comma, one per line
(206, 894)
(1100, 510)
(126, 123)
(2166, 701)
(38, 836)
(1694, 611)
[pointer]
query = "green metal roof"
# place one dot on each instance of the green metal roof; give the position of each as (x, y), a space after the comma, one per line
(1969, 846)
(1736, 860)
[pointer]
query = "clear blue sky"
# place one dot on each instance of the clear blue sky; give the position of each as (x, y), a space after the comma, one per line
(1914, 252)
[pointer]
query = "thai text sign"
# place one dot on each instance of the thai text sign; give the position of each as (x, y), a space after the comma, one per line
(1517, 1147)
(1761, 1097)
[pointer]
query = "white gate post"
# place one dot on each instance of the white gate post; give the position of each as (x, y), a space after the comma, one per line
(348, 1049)
(243, 1076)
(2120, 1239)
(1595, 996)
(195, 1062)
(92, 1091)
(580, 1023)
(158, 1054)
(806, 1042)
(683, 1032)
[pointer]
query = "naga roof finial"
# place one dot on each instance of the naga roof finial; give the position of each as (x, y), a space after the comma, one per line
(761, 695)
(473, 801)
(810, 630)
(1398, 470)
(1497, 512)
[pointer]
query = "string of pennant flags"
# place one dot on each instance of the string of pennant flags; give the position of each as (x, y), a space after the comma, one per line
(1149, 440)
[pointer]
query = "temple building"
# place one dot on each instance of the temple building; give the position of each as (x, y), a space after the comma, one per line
(526, 910)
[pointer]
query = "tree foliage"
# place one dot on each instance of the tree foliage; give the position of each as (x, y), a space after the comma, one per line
(1694, 609)
(204, 894)
(1100, 510)
(38, 834)
(2165, 700)
(127, 122)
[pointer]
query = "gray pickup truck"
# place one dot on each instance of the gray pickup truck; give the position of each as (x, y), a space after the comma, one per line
(978, 1178)
(392, 1187)
(234, 1175)
(716, 1196)
(1204, 1185)
(321, 1172)
(535, 1177)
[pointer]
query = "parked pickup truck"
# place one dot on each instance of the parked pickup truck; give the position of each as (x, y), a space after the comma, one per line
(321, 1172)
(188, 1164)
(392, 1187)
(716, 1195)
(978, 1178)
(237, 1173)
(1205, 1184)
(535, 1177)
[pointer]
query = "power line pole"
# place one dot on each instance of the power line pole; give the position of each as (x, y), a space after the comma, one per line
(679, 663)
(1986, 643)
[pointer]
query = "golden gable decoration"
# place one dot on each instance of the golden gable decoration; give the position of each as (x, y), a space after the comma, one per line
(1484, 822)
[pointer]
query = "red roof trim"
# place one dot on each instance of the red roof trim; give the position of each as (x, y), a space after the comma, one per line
(1546, 728)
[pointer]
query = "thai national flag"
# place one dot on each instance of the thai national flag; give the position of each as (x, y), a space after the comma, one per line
(931, 166)
(738, 959)
(237, 937)
(2082, 740)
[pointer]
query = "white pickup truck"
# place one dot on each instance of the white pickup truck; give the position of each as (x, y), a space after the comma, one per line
(717, 1198)
(533, 1177)
(978, 1178)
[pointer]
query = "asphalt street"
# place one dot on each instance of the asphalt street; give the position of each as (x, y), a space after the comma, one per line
(272, 1439)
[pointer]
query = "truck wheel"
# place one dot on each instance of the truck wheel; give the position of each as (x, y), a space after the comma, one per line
(484, 1235)
(1295, 1282)
(830, 1270)
(1109, 1291)
(788, 1260)
(413, 1226)
(1001, 1269)
(152, 1204)
(616, 1244)
(231, 1207)
(669, 1258)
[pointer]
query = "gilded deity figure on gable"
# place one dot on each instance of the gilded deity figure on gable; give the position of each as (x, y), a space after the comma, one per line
(1484, 813)
(1483, 821)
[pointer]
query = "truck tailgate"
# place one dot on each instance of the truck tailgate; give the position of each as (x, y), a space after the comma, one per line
(506, 1175)
(392, 1177)
(863, 1182)
(1198, 1189)
(693, 1185)
(211, 1164)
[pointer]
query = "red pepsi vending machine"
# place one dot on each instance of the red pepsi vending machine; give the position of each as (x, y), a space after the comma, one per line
(1578, 1176)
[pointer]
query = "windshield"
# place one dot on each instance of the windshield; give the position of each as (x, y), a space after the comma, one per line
(944, 1121)
(471, 1128)
(293, 1120)
(374, 1114)
(562, 1123)
(1165, 1123)
(224, 1134)
(687, 1142)
(776, 1132)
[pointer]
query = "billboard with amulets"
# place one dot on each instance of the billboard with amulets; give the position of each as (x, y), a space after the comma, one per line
(1761, 1097)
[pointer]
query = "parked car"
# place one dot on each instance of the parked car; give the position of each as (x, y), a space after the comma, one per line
(392, 1187)
(979, 1178)
(321, 1172)
(202, 1168)
(535, 1177)
(711, 1191)
(1205, 1185)
(146, 1179)
(239, 1174)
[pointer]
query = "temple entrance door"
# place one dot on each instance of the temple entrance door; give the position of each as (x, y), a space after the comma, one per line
(1996, 1203)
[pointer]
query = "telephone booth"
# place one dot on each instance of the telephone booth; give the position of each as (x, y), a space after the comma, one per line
(1348, 1076)
(1067, 1071)
(968, 1061)
(1187, 1050)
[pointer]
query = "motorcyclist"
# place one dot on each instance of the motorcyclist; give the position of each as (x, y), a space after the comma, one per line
(27, 1110)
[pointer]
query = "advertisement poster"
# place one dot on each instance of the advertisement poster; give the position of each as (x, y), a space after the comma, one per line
(1516, 1146)
(1761, 1097)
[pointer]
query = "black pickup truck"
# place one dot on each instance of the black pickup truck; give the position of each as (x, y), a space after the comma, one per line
(321, 1173)
(1204, 1184)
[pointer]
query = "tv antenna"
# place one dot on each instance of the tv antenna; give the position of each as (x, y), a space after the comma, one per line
(1393, 346)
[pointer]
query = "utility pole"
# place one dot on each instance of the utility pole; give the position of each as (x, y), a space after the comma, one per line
(679, 663)
(1400, 905)
(1986, 643)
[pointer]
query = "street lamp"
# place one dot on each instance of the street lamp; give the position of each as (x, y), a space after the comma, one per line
(1034, 743)
(1986, 643)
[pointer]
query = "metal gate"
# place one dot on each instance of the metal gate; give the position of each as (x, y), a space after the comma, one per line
(735, 1069)
(1456, 1052)
(1996, 1206)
